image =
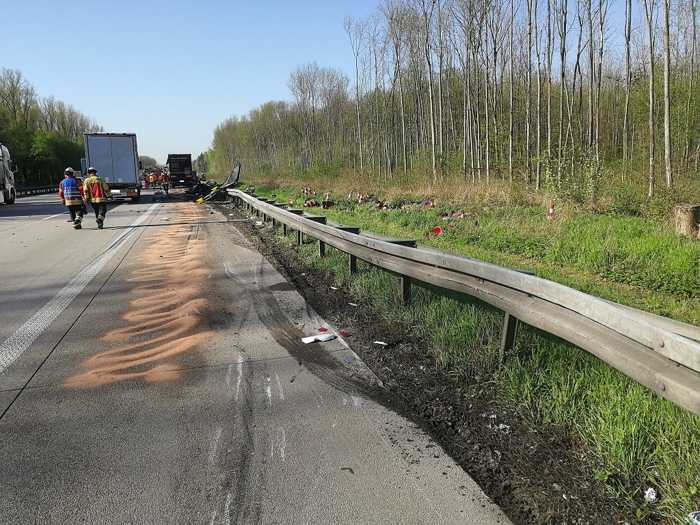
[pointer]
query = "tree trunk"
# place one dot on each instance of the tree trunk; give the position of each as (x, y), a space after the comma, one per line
(628, 85)
(528, 94)
(510, 93)
(686, 218)
(667, 94)
(649, 13)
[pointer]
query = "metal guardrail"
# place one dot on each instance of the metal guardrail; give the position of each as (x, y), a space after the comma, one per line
(23, 192)
(657, 352)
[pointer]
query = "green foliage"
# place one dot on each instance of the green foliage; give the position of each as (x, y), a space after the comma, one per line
(44, 136)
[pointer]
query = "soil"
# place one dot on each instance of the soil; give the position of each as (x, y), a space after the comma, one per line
(536, 474)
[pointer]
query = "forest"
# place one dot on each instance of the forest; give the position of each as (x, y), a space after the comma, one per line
(44, 135)
(586, 100)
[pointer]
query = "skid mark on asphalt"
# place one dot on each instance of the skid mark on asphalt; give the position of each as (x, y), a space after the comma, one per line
(165, 317)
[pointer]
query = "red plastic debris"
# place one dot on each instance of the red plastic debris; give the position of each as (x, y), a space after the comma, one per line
(323, 329)
(437, 230)
(344, 333)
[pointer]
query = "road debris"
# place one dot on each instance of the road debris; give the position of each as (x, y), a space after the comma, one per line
(381, 343)
(344, 333)
(352, 304)
(319, 338)
(437, 231)
(650, 495)
(694, 518)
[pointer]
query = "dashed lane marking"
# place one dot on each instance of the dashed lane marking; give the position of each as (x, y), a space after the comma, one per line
(15, 345)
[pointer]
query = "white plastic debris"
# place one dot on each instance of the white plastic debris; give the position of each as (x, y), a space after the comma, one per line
(318, 338)
(352, 304)
(650, 495)
(333, 288)
(381, 343)
(259, 223)
(502, 427)
(694, 518)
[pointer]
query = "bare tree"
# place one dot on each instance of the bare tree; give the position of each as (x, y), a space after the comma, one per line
(649, 6)
(667, 94)
(355, 31)
(628, 87)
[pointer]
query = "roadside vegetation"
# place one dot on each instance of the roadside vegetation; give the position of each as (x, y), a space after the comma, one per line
(44, 135)
(500, 111)
(635, 439)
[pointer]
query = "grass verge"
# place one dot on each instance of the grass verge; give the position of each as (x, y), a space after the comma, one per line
(636, 439)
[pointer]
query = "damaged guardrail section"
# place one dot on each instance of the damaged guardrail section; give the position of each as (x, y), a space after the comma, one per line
(660, 353)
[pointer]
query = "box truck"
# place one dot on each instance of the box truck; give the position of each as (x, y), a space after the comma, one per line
(8, 192)
(180, 169)
(116, 158)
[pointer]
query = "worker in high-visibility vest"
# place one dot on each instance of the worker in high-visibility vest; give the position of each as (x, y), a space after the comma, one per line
(97, 193)
(71, 193)
(164, 181)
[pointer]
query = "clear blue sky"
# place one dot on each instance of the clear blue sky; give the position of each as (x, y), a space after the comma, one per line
(170, 71)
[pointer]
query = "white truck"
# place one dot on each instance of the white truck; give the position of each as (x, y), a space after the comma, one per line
(116, 159)
(8, 192)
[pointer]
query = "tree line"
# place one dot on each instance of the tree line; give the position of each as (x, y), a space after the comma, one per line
(552, 94)
(44, 135)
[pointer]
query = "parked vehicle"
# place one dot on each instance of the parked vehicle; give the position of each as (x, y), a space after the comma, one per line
(8, 191)
(180, 169)
(116, 158)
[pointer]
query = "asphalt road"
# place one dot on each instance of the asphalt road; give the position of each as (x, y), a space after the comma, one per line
(152, 372)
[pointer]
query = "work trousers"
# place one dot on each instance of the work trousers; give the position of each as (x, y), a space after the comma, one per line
(100, 208)
(75, 210)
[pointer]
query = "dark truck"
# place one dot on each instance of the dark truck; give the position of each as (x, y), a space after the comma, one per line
(180, 169)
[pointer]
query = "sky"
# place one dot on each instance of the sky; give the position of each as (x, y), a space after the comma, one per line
(171, 71)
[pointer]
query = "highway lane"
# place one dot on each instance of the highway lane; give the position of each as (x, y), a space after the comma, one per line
(174, 388)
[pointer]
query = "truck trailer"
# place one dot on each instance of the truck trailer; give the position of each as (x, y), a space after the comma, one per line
(180, 168)
(8, 192)
(116, 159)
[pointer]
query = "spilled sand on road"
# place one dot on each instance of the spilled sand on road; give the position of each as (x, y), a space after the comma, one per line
(166, 316)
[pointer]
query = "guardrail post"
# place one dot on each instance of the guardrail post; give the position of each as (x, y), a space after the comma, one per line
(300, 238)
(352, 263)
(321, 249)
(405, 289)
(284, 229)
(510, 329)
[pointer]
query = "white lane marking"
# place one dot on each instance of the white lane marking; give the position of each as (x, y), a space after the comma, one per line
(268, 392)
(215, 444)
(279, 386)
(25, 335)
(52, 216)
(283, 443)
(227, 509)
(228, 375)
(239, 377)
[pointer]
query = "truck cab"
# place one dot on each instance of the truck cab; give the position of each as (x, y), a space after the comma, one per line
(8, 192)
